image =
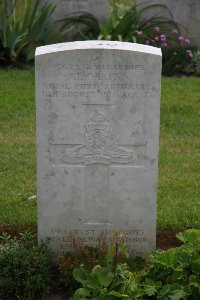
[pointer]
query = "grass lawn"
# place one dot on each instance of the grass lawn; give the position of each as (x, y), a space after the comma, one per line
(179, 162)
(17, 148)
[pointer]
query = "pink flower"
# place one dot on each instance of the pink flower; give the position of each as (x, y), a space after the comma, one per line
(181, 38)
(164, 45)
(174, 31)
(156, 38)
(139, 33)
(157, 29)
(187, 41)
(163, 38)
(147, 42)
(189, 53)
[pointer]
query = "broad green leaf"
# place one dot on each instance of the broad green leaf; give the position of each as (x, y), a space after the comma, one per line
(80, 275)
(83, 292)
(194, 280)
(167, 258)
(172, 292)
(191, 236)
(92, 282)
(151, 287)
(104, 276)
(196, 265)
(117, 281)
(117, 295)
(178, 275)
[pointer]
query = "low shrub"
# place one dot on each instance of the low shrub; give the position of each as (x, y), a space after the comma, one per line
(179, 60)
(24, 268)
(176, 272)
(100, 281)
(170, 275)
(105, 254)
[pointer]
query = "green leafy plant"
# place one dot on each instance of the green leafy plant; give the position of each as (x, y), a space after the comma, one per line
(112, 279)
(176, 272)
(101, 283)
(170, 275)
(26, 273)
(190, 66)
(177, 61)
(23, 27)
(24, 268)
(196, 62)
(139, 24)
(105, 254)
(125, 23)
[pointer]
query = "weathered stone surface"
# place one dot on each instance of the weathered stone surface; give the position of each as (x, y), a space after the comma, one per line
(97, 142)
(184, 12)
(99, 8)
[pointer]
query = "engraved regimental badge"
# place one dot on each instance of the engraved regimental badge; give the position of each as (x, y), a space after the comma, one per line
(99, 146)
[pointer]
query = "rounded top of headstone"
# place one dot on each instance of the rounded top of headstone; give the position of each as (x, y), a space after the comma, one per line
(113, 45)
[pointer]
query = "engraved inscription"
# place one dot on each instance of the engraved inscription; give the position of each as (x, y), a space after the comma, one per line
(99, 146)
(83, 89)
(134, 238)
(94, 80)
(99, 67)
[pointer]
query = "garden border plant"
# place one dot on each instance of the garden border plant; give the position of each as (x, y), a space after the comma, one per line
(24, 268)
(139, 24)
(173, 274)
(23, 27)
(27, 273)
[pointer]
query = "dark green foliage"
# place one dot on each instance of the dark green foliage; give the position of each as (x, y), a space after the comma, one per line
(169, 275)
(23, 27)
(178, 269)
(26, 273)
(24, 268)
(175, 61)
(110, 280)
(101, 283)
(106, 255)
(192, 66)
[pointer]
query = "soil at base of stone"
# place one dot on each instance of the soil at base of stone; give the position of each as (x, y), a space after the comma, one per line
(165, 239)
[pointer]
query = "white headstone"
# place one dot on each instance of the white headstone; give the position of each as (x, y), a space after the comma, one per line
(97, 142)
(98, 8)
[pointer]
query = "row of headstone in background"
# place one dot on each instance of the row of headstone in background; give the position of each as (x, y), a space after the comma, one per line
(98, 8)
(98, 106)
(184, 12)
